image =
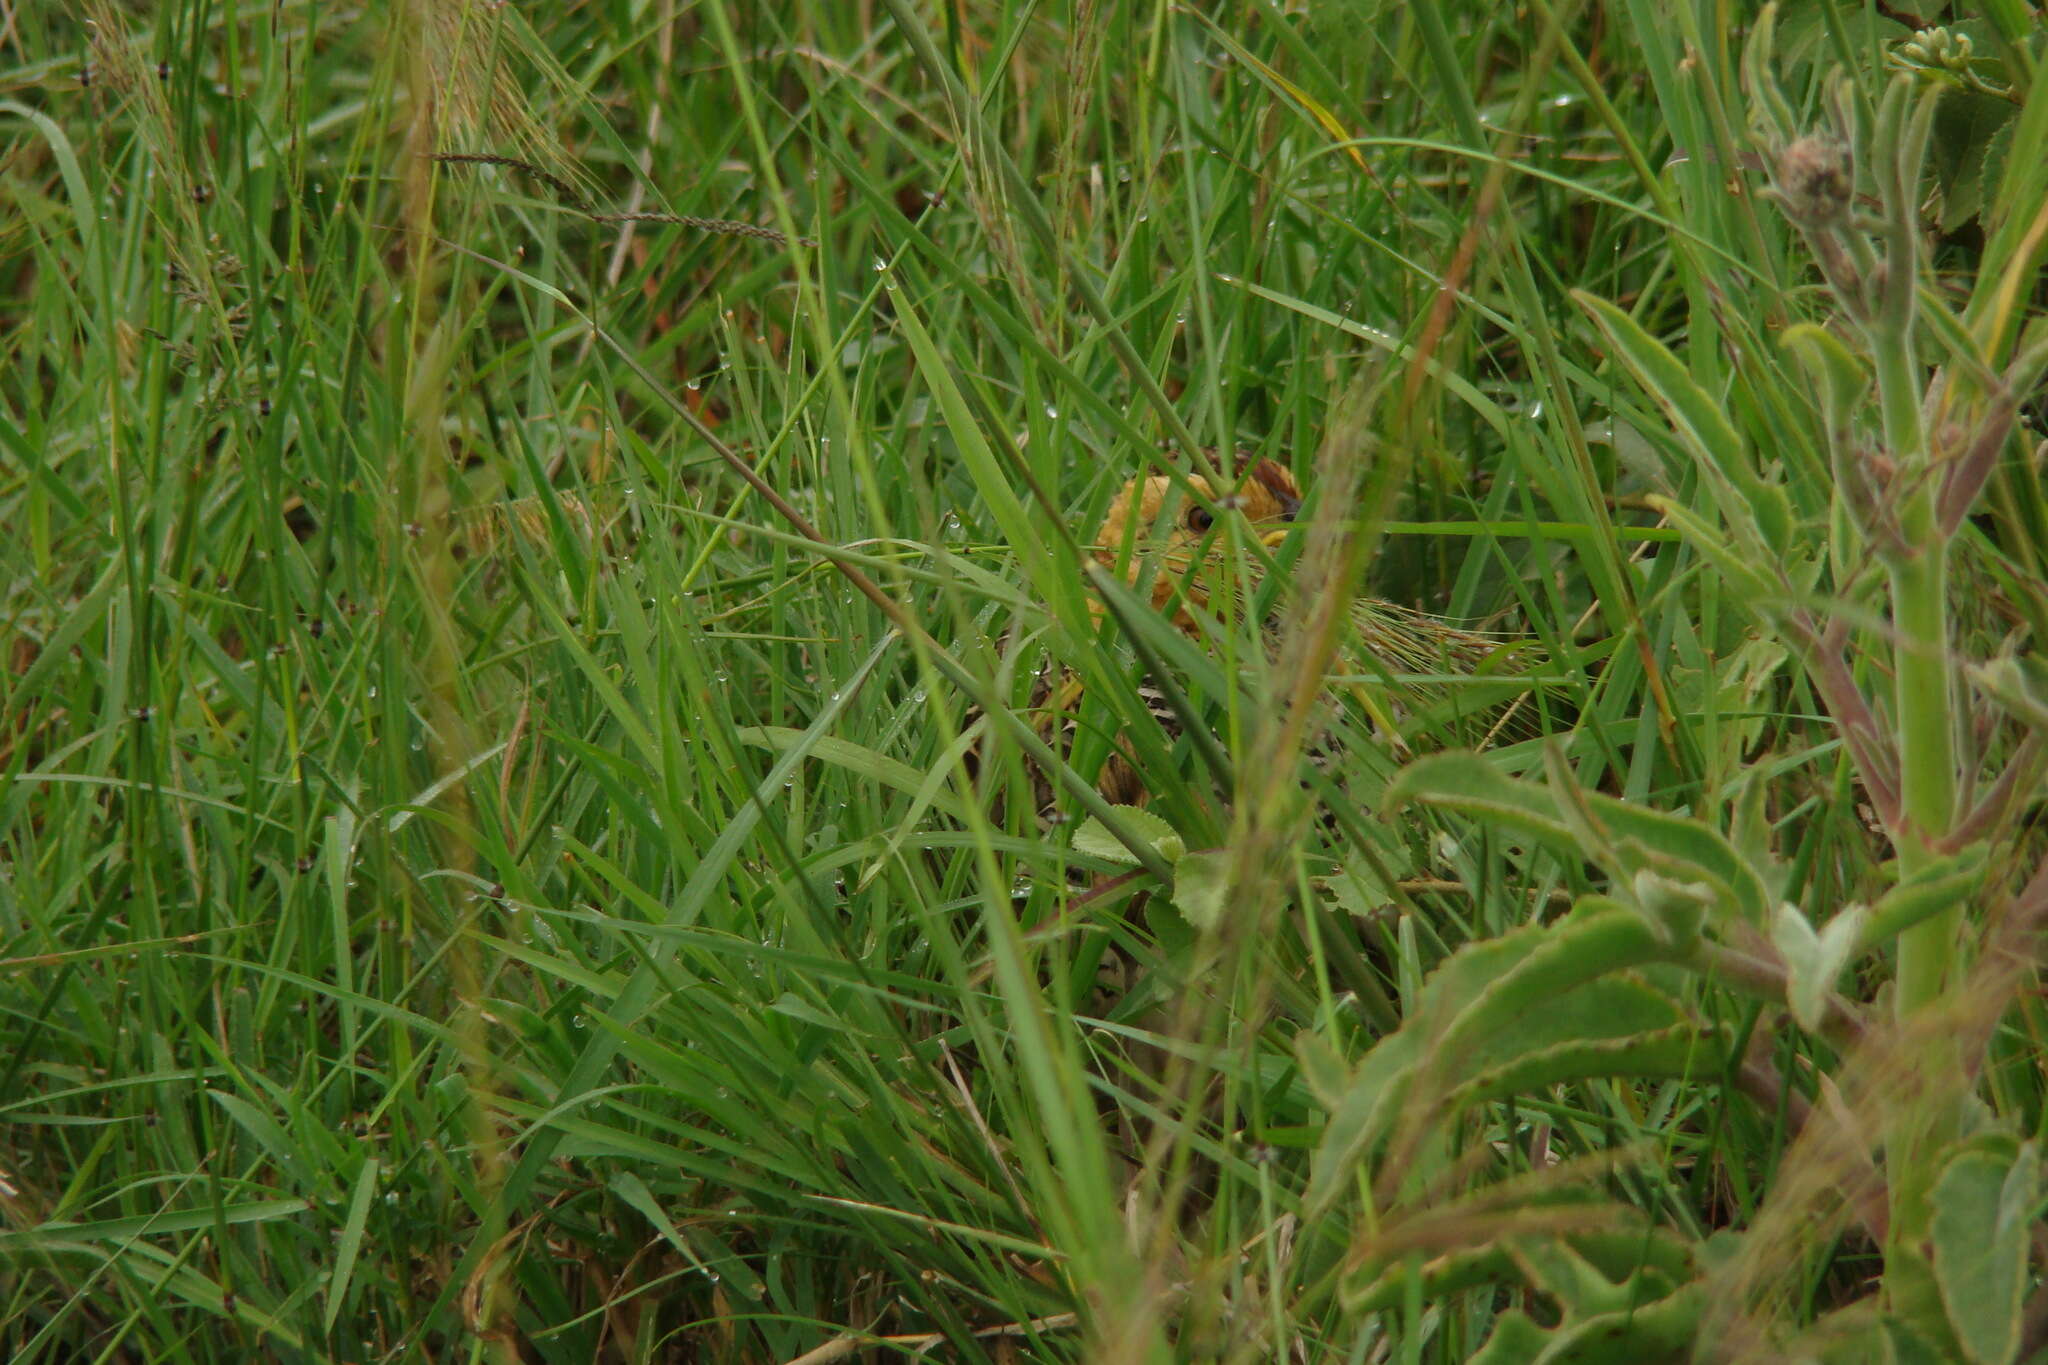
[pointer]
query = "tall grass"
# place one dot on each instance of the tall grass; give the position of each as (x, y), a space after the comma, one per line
(516, 763)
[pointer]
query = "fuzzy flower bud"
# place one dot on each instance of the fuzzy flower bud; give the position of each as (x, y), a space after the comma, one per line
(1816, 181)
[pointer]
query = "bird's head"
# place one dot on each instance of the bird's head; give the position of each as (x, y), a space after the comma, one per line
(1265, 496)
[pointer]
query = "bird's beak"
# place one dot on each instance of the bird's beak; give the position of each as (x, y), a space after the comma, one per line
(1273, 539)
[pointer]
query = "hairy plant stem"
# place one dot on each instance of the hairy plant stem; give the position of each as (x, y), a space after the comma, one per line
(1924, 691)
(1924, 700)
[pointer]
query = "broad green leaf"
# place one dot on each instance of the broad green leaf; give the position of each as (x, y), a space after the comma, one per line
(1623, 1248)
(1096, 841)
(1983, 1206)
(1470, 783)
(1675, 909)
(1201, 885)
(1814, 960)
(1740, 568)
(2014, 241)
(1536, 1005)
(1357, 1120)
(1358, 888)
(1327, 1073)
(1694, 413)
(1967, 125)
(1623, 837)
(1840, 376)
(1681, 1051)
(1665, 1329)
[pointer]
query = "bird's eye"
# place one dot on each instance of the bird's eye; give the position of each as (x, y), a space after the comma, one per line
(1199, 519)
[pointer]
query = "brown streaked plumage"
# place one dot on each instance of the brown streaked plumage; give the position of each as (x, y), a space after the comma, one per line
(1185, 557)
(1132, 533)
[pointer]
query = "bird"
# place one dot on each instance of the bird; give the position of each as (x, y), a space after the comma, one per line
(1164, 535)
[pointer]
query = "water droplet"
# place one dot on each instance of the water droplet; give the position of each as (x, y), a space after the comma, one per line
(1052, 412)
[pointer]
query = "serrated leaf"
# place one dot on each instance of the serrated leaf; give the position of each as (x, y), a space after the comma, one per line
(1357, 889)
(1095, 840)
(1966, 124)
